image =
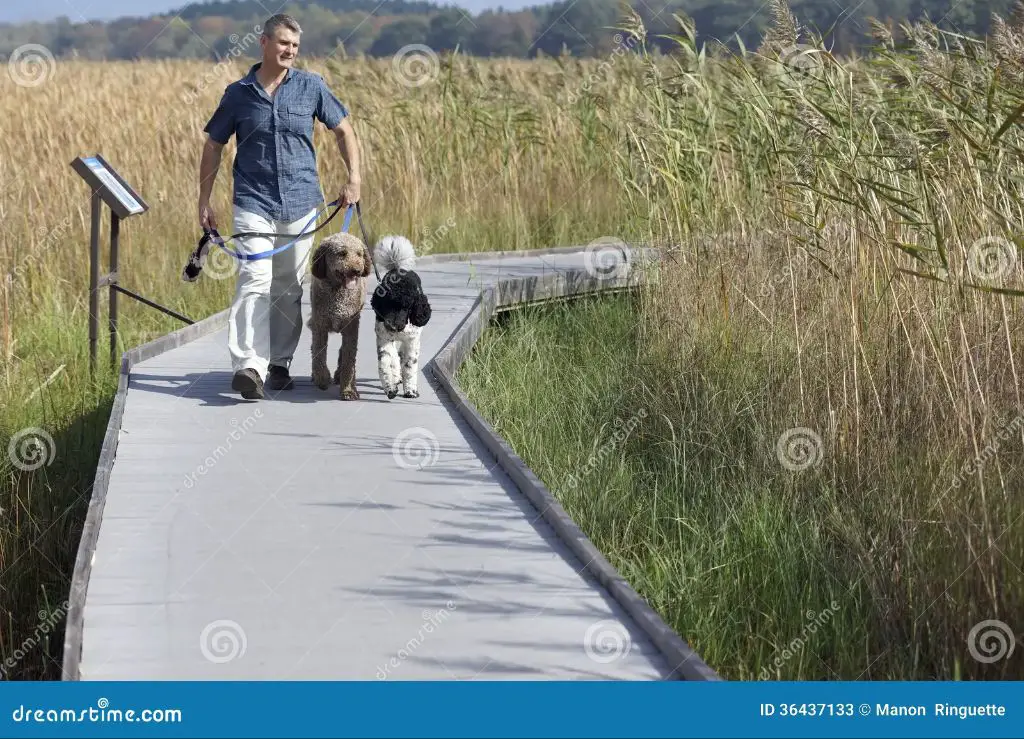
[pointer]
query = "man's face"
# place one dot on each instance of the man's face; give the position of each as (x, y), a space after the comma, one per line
(282, 48)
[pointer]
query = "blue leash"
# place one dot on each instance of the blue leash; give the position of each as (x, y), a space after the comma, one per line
(198, 257)
(221, 242)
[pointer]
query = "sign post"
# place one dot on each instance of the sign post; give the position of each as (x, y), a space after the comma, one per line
(108, 187)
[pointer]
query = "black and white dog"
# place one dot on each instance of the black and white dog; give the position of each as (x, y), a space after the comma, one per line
(402, 310)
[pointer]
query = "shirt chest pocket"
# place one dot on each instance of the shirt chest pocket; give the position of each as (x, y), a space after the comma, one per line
(297, 118)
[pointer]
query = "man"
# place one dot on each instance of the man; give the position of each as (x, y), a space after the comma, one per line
(276, 190)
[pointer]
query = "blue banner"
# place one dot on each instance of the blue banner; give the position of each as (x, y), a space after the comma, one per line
(512, 709)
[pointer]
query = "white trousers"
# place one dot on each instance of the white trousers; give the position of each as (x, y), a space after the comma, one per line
(265, 319)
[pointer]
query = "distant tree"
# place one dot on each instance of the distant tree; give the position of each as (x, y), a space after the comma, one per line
(91, 41)
(243, 9)
(720, 20)
(499, 34)
(388, 7)
(63, 38)
(134, 40)
(394, 36)
(320, 29)
(356, 37)
(581, 26)
(449, 29)
(526, 27)
(584, 27)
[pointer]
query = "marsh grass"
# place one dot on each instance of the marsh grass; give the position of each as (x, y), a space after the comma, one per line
(845, 268)
(770, 572)
(825, 272)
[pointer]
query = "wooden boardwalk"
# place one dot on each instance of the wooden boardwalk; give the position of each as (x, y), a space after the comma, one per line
(302, 537)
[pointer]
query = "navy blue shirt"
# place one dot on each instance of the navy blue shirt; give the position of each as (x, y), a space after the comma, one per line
(274, 171)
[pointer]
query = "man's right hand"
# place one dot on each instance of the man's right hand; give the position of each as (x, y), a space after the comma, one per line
(207, 219)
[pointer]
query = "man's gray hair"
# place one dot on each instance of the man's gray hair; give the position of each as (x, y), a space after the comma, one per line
(280, 20)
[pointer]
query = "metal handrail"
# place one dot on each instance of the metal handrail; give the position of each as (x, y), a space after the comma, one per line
(111, 280)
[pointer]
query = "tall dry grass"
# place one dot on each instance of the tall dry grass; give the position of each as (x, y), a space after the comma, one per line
(798, 207)
(829, 365)
(865, 286)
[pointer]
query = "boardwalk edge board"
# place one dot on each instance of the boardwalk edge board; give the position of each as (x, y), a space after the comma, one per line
(94, 516)
(685, 663)
(507, 293)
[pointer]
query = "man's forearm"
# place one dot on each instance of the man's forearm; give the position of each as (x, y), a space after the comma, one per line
(208, 167)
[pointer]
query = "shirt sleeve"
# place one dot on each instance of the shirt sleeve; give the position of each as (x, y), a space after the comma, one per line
(222, 124)
(329, 110)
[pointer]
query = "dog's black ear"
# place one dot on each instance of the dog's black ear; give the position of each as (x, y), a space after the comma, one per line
(420, 313)
(319, 268)
(367, 262)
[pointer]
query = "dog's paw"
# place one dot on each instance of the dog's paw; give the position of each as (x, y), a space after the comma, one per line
(322, 379)
(350, 394)
(392, 393)
(411, 394)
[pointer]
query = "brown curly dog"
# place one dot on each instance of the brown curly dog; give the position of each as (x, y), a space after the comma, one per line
(340, 267)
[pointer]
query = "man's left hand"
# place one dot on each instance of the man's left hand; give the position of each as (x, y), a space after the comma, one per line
(349, 194)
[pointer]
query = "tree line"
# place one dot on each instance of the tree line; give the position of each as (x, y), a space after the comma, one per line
(212, 30)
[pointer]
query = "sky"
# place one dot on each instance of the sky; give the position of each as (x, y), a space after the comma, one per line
(19, 11)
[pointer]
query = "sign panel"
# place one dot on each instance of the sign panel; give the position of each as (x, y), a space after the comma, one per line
(110, 186)
(104, 175)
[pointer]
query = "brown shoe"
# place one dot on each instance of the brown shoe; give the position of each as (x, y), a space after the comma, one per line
(249, 383)
(279, 379)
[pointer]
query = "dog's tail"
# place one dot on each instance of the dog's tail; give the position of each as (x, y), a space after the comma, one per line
(394, 252)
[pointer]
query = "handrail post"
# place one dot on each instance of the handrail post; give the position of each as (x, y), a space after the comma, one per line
(94, 278)
(108, 187)
(115, 232)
